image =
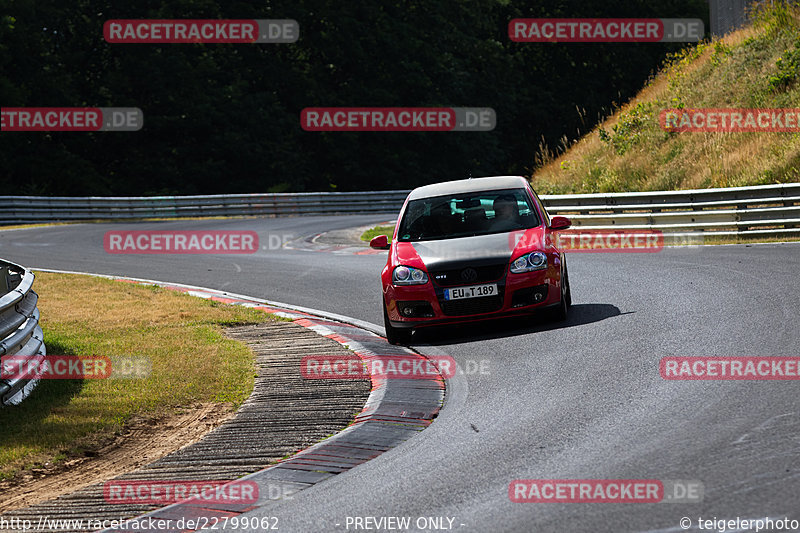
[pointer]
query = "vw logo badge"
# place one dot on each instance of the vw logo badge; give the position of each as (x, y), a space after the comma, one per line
(469, 274)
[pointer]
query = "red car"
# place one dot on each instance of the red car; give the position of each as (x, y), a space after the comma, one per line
(470, 250)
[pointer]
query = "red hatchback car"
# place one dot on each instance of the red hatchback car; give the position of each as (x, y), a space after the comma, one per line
(469, 250)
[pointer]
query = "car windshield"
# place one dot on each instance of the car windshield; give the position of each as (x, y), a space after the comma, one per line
(466, 215)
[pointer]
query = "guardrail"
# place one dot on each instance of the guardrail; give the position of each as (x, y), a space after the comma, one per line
(765, 210)
(19, 330)
(22, 209)
(761, 210)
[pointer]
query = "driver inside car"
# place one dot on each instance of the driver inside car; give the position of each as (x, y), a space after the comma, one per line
(506, 214)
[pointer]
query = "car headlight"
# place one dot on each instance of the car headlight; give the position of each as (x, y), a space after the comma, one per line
(529, 262)
(404, 275)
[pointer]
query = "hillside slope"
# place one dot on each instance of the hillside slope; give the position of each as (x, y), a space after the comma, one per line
(756, 67)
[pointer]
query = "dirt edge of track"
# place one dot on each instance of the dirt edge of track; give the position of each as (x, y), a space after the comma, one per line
(141, 441)
(294, 413)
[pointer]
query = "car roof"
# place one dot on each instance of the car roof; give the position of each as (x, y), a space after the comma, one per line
(470, 185)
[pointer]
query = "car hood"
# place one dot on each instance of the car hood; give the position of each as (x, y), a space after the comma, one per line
(493, 248)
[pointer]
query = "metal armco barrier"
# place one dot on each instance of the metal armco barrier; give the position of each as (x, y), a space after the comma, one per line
(19, 329)
(772, 210)
(20, 209)
(766, 210)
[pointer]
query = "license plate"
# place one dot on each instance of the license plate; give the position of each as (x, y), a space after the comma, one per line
(475, 291)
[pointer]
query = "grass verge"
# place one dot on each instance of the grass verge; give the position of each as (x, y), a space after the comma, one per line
(377, 230)
(181, 335)
(755, 67)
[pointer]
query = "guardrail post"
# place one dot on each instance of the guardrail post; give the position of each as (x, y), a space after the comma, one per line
(5, 283)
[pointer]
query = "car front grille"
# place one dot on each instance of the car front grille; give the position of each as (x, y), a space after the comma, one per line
(468, 275)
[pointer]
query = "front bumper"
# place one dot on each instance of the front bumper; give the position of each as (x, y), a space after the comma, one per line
(518, 294)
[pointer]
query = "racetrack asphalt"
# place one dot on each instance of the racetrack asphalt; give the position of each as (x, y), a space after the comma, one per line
(581, 399)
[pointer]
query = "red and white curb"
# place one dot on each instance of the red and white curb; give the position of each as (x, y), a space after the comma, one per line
(395, 411)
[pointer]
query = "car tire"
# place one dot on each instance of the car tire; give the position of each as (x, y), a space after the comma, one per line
(395, 335)
(562, 311)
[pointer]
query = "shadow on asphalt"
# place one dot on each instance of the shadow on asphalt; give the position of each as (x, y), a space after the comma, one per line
(579, 315)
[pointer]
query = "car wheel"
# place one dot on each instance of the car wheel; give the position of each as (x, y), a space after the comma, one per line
(562, 310)
(395, 335)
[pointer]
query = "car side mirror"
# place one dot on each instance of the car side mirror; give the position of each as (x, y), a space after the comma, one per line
(559, 223)
(381, 242)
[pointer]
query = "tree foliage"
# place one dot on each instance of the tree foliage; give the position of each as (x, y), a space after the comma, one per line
(225, 118)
